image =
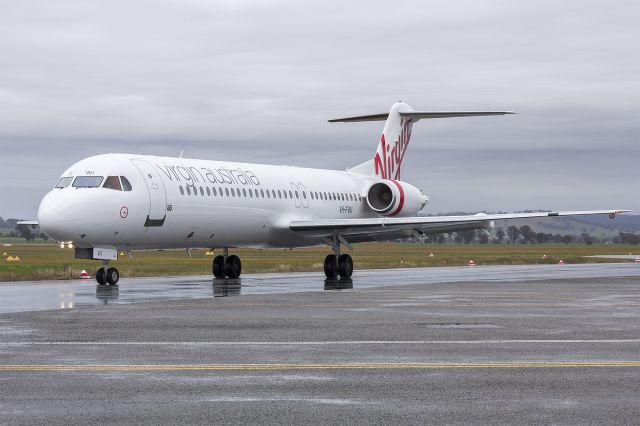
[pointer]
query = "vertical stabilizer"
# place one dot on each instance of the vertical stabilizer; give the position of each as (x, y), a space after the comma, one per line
(392, 147)
(395, 137)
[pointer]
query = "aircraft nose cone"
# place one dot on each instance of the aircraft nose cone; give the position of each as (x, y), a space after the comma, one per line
(55, 216)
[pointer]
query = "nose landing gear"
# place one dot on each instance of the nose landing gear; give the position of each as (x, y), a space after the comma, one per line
(225, 266)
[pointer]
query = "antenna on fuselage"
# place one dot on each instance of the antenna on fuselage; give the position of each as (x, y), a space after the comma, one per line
(181, 152)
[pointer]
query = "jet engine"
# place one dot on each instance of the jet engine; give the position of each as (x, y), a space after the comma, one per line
(395, 198)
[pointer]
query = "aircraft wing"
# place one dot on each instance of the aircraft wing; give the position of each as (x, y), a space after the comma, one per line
(386, 228)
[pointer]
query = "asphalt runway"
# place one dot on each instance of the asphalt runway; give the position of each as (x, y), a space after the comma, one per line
(533, 344)
(45, 295)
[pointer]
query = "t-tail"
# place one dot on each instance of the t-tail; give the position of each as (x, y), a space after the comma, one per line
(387, 160)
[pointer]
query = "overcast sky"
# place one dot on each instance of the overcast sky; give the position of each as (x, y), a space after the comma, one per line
(256, 81)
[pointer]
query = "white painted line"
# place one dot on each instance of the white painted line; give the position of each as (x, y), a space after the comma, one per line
(333, 343)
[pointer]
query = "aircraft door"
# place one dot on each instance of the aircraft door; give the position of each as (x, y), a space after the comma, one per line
(303, 195)
(157, 193)
(296, 194)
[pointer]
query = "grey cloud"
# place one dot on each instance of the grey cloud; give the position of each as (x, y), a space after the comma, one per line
(256, 81)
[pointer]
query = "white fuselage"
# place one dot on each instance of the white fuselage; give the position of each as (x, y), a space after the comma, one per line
(189, 203)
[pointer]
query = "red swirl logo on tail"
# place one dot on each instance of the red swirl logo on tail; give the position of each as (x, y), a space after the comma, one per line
(388, 159)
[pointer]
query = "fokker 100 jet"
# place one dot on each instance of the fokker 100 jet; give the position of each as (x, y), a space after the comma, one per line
(123, 202)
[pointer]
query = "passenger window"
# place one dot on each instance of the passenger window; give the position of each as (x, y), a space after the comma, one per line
(181, 190)
(87, 182)
(208, 191)
(112, 182)
(279, 194)
(126, 185)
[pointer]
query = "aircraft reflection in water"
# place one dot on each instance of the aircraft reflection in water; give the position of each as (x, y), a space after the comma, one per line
(338, 284)
(232, 287)
(226, 287)
(107, 293)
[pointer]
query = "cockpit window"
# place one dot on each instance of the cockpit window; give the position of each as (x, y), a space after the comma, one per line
(64, 182)
(126, 186)
(112, 182)
(87, 182)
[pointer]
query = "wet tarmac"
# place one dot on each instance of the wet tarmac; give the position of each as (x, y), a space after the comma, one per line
(39, 295)
(485, 345)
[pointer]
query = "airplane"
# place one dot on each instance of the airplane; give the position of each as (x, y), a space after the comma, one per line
(109, 203)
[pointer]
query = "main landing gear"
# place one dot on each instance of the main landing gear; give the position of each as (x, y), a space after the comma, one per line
(106, 275)
(225, 266)
(337, 265)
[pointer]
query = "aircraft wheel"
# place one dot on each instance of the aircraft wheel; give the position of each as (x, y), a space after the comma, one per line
(113, 276)
(345, 266)
(233, 267)
(331, 266)
(218, 267)
(101, 276)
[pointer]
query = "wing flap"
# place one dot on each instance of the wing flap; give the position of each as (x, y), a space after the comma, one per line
(386, 226)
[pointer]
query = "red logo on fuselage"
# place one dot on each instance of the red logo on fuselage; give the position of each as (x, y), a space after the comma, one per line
(388, 159)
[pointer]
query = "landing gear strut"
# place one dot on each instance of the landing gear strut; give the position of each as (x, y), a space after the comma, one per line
(337, 264)
(225, 266)
(106, 275)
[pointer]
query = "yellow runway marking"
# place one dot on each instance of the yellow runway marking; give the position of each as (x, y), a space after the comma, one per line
(275, 367)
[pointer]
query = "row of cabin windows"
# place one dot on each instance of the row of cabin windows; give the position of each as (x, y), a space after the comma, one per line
(119, 183)
(268, 193)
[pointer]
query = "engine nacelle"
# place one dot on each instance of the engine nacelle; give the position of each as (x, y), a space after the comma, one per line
(395, 198)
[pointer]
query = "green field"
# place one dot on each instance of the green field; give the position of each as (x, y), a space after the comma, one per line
(48, 261)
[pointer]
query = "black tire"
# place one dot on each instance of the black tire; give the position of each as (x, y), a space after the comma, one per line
(113, 276)
(233, 267)
(345, 266)
(331, 266)
(101, 276)
(218, 267)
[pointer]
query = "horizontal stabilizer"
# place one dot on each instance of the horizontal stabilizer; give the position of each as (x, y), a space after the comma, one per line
(418, 115)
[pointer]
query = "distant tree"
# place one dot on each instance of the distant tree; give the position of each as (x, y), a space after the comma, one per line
(528, 235)
(483, 237)
(542, 238)
(458, 238)
(500, 233)
(629, 238)
(616, 239)
(513, 232)
(468, 236)
(25, 232)
(588, 239)
(440, 238)
(567, 238)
